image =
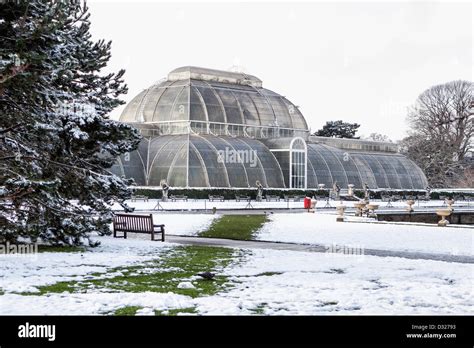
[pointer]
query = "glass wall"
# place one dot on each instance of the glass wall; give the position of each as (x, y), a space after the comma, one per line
(225, 161)
(378, 170)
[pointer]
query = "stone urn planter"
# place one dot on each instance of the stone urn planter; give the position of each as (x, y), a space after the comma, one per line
(443, 213)
(372, 208)
(359, 207)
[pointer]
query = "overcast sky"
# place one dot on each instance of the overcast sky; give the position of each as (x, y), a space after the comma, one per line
(363, 62)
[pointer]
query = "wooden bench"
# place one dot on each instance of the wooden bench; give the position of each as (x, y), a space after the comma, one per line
(424, 198)
(139, 197)
(386, 198)
(137, 224)
(242, 198)
(272, 198)
(294, 198)
(178, 198)
(216, 198)
(344, 192)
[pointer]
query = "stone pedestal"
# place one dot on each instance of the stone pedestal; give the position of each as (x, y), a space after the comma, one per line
(443, 213)
(340, 211)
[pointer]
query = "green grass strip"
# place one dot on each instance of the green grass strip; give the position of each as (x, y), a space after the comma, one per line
(160, 275)
(239, 227)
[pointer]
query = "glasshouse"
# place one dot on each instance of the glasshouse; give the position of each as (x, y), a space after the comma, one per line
(205, 128)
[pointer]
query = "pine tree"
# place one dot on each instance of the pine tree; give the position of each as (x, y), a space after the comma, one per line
(338, 129)
(56, 140)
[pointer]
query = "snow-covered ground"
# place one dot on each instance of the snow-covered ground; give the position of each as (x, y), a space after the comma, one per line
(91, 303)
(323, 229)
(24, 273)
(264, 281)
(184, 224)
(315, 283)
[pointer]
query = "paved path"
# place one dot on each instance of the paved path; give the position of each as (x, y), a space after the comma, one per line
(243, 244)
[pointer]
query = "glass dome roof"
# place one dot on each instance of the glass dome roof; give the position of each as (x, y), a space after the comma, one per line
(205, 95)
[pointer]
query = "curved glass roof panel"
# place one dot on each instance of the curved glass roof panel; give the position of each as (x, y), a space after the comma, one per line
(264, 109)
(402, 173)
(235, 170)
(254, 172)
(416, 175)
(130, 166)
(391, 171)
(231, 107)
(215, 169)
(163, 162)
(197, 173)
(268, 161)
(178, 169)
(366, 174)
(282, 115)
(180, 105)
(334, 164)
(297, 117)
(197, 108)
(249, 110)
(212, 104)
(129, 113)
(146, 109)
(311, 179)
(321, 169)
(376, 168)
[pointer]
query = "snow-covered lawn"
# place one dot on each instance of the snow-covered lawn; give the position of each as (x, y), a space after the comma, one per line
(24, 273)
(184, 224)
(91, 303)
(261, 282)
(288, 282)
(323, 229)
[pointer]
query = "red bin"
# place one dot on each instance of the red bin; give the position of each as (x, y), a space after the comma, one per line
(307, 203)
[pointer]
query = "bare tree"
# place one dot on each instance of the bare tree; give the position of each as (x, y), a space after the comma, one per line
(467, 178)
(442, 123)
